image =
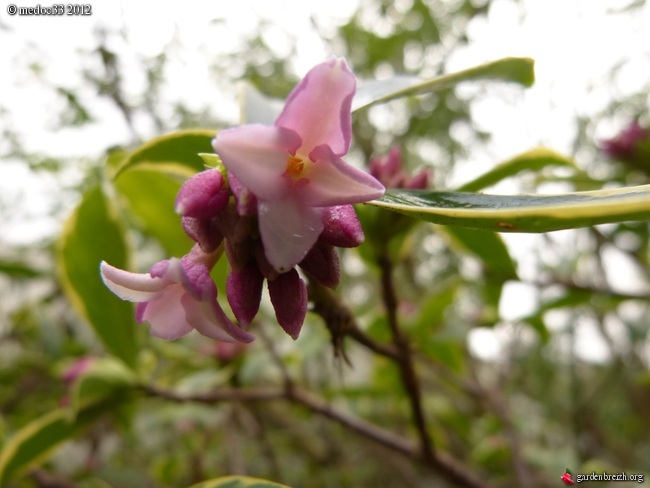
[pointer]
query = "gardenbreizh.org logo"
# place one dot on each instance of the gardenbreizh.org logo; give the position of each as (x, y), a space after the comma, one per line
(568, 477)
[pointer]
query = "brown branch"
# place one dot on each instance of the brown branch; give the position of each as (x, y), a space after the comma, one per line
(405, 359)
(340, 321)
(440, 462)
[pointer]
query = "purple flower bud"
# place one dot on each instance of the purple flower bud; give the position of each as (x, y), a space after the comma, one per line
(390, 171)
(267, 270)
(342, 227)
(203, 196)
(418, 182)
(244, 292)
(204, 232)
(240, 254)
(388, 168)
(289, 298)
(246, 201)
(624, 145)
(322, 264)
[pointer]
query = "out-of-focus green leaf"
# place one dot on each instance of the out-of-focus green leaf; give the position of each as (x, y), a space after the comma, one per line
(178, 148)
(533, 160)
(90, 235)
(16, 269)
(517, 70)
(151, 196)
(488, 247)
(497, 264)
(238, 482)
(521, 213)
(444, 351)
(103, 377)
(34, 442)
(431, 316)
(257, 108)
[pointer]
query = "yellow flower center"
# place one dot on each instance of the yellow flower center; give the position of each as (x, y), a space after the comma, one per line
(295, 166)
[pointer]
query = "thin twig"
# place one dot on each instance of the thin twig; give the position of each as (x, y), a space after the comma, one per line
(340, 320)
(440, 462)
(405, 360)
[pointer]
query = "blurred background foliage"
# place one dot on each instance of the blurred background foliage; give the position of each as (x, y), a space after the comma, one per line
(515, 397)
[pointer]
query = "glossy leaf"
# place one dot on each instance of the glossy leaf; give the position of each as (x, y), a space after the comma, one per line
(34, 442)
(90, 235)
(521, 213)
(258, 108)
(178, 148)
(150, 196)
(533, 160)
(517, 70)
(238, 482)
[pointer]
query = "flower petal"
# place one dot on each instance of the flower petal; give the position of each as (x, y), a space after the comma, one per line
(209, 320)
(134, 287)
(257, 155)
(166, 316)
(244, 292)
(319, 107)
(289, 229)
(197, 280)
(331, 181)
(289, 298)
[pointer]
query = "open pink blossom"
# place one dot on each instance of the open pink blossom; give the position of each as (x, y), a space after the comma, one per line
(175, 297)
(294, 168)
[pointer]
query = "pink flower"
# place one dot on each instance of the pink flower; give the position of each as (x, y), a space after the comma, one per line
(625, 145)
(390, 171)
(78, 368)
(294, 169)
(175, 297)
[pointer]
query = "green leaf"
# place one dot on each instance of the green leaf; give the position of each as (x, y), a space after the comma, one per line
(489, 248)
(517, 70)
(258, 108)
(16, 269)
(533, 160)
(104, 377)
(432, 313)
(444, 351)
(34, 442)
(90, 235)
(497, 264)
(521, 213)
(238, 482)
(151, 196)
(178, 149)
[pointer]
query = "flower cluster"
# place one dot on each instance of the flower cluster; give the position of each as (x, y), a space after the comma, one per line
(390, 171)
(285, 201)
(625, 146)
